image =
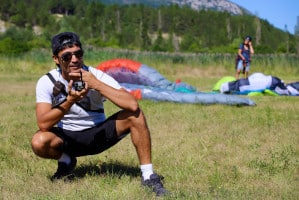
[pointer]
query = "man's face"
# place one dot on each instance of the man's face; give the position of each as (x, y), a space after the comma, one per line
(70, 60)
(247, 40)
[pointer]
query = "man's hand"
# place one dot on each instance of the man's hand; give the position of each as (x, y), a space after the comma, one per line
(89, 79)
(74, 95)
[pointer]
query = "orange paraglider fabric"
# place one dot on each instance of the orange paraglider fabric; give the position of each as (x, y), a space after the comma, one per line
(119, 63)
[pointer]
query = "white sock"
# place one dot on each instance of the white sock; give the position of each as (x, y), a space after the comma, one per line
(65, 158)
(147, 171)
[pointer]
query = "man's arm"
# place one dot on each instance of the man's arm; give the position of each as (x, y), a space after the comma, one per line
(240, 54)
(120, 97)
(47, 116)
(251, 48)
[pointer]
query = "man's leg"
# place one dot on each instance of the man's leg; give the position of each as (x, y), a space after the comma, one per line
(239, 68)
(247, 70)
(140, 136)
(49, 145)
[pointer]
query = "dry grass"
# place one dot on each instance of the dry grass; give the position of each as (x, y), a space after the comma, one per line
(204, 152)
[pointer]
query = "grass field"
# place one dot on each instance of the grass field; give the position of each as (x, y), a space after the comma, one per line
(204, 152)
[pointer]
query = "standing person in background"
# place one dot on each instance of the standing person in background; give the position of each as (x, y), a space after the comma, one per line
(71, 118)
(244, 57)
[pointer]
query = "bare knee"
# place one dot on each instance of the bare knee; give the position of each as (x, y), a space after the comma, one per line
(128, 120)
(138, 117)
(46, 144)
(38, 144)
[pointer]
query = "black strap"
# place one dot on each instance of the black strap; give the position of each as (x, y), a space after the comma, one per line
(51, 77)
(101, 110)
(54, 81)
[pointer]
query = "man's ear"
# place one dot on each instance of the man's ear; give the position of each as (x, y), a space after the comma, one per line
(55, 59)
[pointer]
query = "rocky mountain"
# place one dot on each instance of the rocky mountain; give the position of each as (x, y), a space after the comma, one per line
(218, 5)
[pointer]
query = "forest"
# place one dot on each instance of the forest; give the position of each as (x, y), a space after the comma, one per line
(30, 24)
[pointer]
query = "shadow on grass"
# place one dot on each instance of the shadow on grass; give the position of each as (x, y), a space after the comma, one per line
(114, 169)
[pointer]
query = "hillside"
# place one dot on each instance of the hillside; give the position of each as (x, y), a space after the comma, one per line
(216, 5)
(206, 26)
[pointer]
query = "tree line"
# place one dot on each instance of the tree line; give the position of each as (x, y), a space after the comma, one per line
(136, 27)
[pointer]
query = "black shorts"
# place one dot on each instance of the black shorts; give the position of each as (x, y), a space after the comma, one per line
(89, 141)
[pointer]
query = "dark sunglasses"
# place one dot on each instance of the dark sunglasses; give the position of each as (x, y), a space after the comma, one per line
(67, 57)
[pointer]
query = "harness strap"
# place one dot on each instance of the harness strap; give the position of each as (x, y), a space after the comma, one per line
(54, 82)
(51, 77)
(100, 110)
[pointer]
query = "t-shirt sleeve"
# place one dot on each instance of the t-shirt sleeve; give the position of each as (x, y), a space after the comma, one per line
(107, 79)
(241, 46)
(44, 90)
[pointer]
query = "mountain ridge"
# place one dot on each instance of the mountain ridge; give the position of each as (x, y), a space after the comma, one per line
(217, 5)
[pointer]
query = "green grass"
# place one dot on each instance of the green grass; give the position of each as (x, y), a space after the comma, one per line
(204, 152)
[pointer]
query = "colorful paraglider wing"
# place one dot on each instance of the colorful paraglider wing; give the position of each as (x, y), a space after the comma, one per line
(293, 88)
(145, 82)
(158, 94)
(256, 83)
(129, 71)
(225, 79)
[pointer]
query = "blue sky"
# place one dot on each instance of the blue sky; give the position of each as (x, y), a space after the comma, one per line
(277, 12)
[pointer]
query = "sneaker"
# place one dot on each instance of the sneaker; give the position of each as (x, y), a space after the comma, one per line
(64, 170)
(155, 184)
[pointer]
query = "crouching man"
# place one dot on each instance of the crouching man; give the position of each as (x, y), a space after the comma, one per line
(71, 119)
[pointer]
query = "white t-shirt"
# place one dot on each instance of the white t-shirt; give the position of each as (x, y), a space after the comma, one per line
(77, 118)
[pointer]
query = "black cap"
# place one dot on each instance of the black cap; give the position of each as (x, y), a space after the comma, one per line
(248, 38)
(63, 40)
